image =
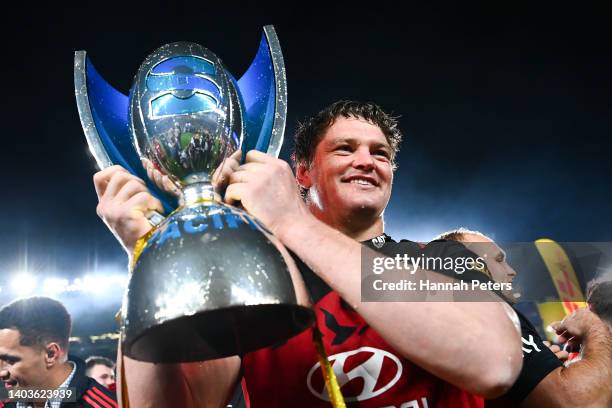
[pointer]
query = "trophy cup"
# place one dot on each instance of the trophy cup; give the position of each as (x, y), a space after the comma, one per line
(210, 281)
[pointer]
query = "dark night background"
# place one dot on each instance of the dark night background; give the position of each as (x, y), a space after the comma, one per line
(507, 118)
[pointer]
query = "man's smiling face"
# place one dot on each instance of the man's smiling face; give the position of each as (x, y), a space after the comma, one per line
(351, 171)
(20, 365)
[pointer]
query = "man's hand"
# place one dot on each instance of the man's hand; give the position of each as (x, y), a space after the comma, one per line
(561, 354)
(267, 189)
(162, 181)
(575, 327)
(220, 177)
(123, 204)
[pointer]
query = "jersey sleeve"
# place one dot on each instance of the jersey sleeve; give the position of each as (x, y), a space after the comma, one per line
(97, 396)
(538, 362)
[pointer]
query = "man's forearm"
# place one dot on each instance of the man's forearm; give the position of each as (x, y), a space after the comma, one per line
(198, 384)
(472, 345)
(589, 381)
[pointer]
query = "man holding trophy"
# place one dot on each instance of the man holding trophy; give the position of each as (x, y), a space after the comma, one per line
(380, 353)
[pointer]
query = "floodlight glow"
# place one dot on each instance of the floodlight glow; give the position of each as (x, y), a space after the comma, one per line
(96, 283)
(23, 284)
(55, 286)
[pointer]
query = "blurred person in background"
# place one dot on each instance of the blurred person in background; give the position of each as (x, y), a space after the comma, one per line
(599, 299)
(34, 334)
(102, 370)
(544, 381)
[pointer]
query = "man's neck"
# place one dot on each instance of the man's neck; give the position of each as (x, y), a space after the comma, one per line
(60, 374)
(354, 226)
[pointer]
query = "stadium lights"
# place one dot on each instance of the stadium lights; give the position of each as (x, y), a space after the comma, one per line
(23, 284)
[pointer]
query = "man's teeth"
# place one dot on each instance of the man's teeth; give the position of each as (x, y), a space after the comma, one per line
(363, 182)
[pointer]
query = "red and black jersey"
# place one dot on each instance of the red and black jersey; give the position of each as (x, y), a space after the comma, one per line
(369, 372)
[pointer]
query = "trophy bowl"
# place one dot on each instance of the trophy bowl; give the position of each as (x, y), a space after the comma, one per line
(209, 283)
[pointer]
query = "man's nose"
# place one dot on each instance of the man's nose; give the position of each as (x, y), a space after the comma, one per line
(511, 271)
(4, 373)
(362, 158)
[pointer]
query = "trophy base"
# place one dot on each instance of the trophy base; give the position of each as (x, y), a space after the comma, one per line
(219, 333)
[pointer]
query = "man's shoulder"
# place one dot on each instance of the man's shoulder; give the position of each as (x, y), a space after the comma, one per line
(89, 392)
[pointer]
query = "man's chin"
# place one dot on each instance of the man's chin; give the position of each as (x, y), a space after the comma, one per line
(364, 208)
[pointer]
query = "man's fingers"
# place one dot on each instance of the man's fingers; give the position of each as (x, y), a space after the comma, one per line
(117, 181)
(170, 187)
(562, 355)
(563, 336)
(240, 176)
(148, 166)
(145, 202)
(161, 180)
(255, 156)
(235, 157)
(234, 193)
(130, 189)
(227, 167)
(103, 177)
(252, 167)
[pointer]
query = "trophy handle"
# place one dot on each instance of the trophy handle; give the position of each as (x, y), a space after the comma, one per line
(103, 113)
(87, 122)
(263, 88)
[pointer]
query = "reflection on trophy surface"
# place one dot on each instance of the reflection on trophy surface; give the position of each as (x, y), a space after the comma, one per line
(210, 281)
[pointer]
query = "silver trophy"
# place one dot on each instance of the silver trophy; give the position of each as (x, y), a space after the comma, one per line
(210, 281)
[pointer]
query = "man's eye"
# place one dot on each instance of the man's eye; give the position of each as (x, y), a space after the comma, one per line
(383, 153)
(345, 148)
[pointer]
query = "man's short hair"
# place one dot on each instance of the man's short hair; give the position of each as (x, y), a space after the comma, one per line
(311, 130)
(39, 320)
(458, 234)
(599, 299)
(92, 361)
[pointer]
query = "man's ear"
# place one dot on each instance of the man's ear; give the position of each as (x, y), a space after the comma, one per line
(302, 175)
(54, 354)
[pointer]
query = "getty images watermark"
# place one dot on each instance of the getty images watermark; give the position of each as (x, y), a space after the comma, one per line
(444, 271)
(427, 276)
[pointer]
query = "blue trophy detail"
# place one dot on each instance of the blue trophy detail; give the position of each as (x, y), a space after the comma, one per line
(209, 280)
